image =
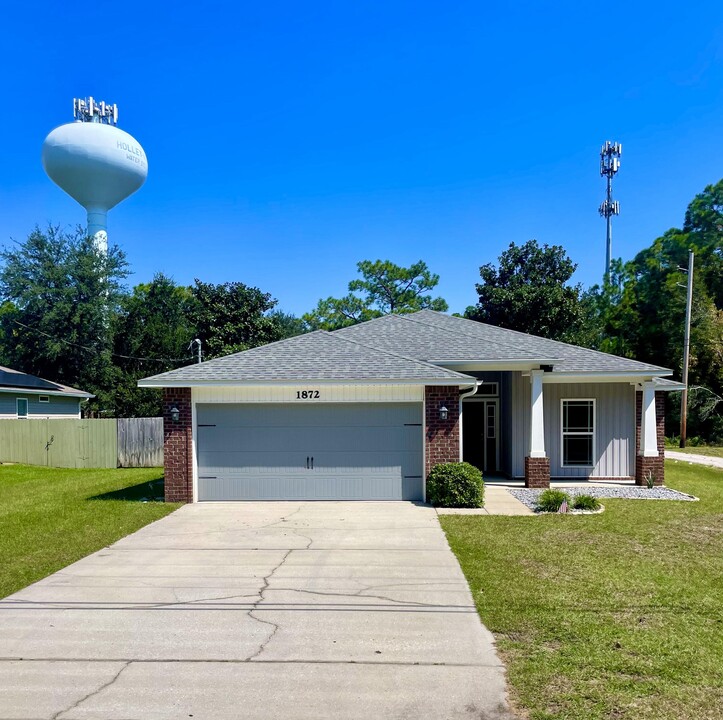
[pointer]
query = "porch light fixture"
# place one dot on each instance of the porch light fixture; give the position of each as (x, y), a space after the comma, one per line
(443, 413)
(175, 413)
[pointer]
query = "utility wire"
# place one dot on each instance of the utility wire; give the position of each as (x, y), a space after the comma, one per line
(93, 350)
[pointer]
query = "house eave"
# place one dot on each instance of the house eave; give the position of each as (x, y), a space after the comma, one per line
(634, 376)
(160, 383)
(56, 393)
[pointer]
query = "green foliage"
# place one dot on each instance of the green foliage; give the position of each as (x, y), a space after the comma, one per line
(288, 325)
(383, 288)
(153, 323)
(231, 317)
(59, 296)
(456, 485)
(585, 502)
(641, 312)
(551, 500)
(530, 292)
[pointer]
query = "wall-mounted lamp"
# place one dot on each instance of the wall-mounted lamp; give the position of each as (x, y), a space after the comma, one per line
(175, 413)
(443, 413)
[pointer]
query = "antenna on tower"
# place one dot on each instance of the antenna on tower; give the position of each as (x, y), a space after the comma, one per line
(609, 165)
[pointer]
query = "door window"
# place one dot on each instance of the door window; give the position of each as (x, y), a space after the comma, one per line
(22, 407)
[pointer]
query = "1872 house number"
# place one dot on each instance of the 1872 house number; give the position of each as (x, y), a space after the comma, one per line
(307, 395)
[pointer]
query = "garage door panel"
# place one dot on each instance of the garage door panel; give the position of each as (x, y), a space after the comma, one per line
(305, 440)
(359, 451)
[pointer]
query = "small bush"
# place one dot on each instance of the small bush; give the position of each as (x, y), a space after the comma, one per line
(550, 500)
(457, 485)
(586, 502)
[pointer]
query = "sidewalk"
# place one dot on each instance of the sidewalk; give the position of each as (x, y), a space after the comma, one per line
(715, 462)
(497, 502)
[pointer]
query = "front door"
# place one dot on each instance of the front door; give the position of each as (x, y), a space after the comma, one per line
(480, 446)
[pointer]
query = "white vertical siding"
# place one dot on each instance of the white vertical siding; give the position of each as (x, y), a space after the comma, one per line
(614, 427)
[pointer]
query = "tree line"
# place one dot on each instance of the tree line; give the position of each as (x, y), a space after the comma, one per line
(67, 314)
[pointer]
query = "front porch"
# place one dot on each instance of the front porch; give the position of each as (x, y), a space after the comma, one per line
(533, 428)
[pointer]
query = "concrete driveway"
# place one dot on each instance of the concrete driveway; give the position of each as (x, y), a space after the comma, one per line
(256, 610)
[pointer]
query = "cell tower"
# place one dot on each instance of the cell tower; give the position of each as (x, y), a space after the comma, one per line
(609, 165)
(95, 162)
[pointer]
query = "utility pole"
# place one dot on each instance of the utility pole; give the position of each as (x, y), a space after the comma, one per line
(609, 165)
(686, 353)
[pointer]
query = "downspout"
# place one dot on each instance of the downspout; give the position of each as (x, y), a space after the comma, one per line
(462, 396)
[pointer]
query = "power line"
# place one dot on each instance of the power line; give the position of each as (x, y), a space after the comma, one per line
(93, 350)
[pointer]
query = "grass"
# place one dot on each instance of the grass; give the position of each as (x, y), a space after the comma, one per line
(708, 450)
(52, 517)
(615, 616)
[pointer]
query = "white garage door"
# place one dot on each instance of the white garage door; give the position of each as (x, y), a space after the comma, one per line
(349, 451)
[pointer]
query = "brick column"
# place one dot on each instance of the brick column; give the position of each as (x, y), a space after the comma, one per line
(178, 446)
(645, 465)
(442, 441)
(537, 472)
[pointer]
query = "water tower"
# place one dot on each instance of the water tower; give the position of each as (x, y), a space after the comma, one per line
(95, 162)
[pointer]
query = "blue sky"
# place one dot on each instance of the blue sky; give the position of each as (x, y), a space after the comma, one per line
(286, 141)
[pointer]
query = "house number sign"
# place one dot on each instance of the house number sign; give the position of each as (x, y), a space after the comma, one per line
(307, 395)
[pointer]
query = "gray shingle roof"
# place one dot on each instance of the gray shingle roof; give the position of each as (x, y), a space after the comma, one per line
(317, 356)
(570, 358)
(434, 342)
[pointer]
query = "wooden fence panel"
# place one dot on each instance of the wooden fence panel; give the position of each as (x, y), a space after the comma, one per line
(60, 443)
(140, 442)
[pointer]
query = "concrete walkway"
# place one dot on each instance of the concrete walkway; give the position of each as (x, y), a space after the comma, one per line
(497, 502)
(255, 610)
(715, 462)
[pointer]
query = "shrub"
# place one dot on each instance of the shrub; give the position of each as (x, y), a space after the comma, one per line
(457, 485)
(550, 500)
(586, 502)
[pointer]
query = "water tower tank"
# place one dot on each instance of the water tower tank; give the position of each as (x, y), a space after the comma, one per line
(95, 162)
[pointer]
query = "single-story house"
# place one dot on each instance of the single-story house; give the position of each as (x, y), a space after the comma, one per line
(27, 397)
(363, 413)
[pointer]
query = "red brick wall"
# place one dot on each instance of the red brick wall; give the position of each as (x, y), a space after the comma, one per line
(656, 465)
(442, 441)
(178, 446)
(537, 472)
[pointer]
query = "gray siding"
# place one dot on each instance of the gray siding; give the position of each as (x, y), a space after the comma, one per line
(614, 427)
(58, 405)
(261, 452)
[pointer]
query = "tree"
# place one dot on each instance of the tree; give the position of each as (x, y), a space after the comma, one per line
(231, 317)
(152, 335)
(641, 313)
(530, 292)
(289, 325)
(59, 296)
(384, 288)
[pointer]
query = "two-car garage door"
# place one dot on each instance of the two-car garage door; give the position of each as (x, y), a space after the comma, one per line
(344, 451)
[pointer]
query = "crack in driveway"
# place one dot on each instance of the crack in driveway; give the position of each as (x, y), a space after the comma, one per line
(104, 686)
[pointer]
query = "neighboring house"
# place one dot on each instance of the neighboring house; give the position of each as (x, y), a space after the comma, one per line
(26, 397)
(365, 412)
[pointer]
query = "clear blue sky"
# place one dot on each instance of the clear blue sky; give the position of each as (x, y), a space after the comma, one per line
(287, 140)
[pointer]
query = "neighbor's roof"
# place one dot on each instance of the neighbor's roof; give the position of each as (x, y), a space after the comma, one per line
(316, 356)
(567, 358)
(16, 381)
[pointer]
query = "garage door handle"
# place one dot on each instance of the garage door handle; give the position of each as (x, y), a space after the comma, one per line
(307, 462)
(312, 462)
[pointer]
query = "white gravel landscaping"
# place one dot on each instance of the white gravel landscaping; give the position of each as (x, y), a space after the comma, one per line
(528, 496)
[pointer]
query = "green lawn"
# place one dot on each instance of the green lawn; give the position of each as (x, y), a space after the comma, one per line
(618, 615)
(52, 517)
(702, 450)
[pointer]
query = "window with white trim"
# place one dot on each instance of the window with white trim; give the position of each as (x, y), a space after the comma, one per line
(21, 407)
(578, 433)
